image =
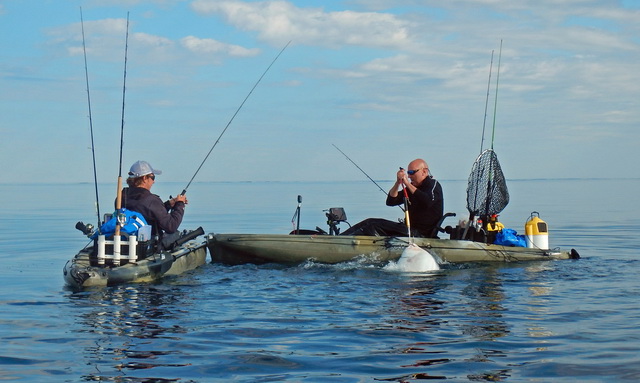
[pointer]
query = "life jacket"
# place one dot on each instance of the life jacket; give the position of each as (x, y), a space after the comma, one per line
(132, 222)
(494, 226)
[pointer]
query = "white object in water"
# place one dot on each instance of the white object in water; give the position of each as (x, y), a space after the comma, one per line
(416, 259)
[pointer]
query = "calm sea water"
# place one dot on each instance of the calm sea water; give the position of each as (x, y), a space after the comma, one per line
(558, 321)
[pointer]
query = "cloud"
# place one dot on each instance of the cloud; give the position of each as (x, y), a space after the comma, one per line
(152, 41)
(102, 37)
(393, 69)
(279, 21)
(105, 41)
(211, 46)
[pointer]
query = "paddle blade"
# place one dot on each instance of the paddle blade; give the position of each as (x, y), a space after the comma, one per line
(487, 192)
(416, 259)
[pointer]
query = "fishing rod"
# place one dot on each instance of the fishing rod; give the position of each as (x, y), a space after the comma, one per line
(93, 148)
(359, 168)
(484, 123)
(365, 173)
(119, 191)
(490, 181)
(495, 105)
(232, 117)
(486, 104)
(406, 211)
(124, 88)
(486, 170)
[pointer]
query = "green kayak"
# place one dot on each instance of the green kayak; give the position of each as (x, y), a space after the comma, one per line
(86, 270)
(236, 249)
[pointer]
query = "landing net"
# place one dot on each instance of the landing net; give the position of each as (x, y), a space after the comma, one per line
(487, 192)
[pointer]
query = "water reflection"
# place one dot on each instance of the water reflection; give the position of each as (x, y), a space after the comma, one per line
(457, 316)
(484, 294)
(484, 297)
(418, 305)
(131, 329)
(538, 303)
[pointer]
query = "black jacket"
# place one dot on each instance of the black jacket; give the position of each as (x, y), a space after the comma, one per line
(161, 216)
(426, 205)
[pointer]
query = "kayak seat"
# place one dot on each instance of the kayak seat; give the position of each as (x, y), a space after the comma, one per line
(439, 229)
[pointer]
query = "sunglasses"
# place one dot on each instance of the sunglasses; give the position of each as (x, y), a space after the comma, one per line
(412, 172)
(152, 176)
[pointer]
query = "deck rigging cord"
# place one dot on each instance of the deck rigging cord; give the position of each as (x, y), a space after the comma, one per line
(93, 148)
(184, 191)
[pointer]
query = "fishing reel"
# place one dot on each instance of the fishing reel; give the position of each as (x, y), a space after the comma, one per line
(87, 229)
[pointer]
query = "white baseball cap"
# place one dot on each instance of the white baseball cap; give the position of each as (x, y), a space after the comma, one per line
(142, 168)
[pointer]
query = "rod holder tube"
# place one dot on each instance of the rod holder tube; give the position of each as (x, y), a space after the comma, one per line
(101, 249)
(116, 250)
(133, 245)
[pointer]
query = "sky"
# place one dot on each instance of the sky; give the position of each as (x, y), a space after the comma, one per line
(386, 81)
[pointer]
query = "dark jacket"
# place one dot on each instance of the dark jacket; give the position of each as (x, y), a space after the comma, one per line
(161, 216)
(426, 206)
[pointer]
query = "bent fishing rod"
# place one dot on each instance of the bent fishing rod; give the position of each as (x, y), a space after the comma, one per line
(359, 168)
(184, 191)
(93, 148)
(365, 173)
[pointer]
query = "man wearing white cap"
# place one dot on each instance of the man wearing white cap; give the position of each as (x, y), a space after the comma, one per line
(164, 217)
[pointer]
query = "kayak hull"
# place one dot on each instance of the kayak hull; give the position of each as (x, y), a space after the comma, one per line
(236, 249)
(79, 272)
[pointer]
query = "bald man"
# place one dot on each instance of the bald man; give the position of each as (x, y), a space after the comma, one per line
(425, 204)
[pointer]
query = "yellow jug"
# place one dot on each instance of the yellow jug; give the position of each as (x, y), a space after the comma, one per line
(537, 232)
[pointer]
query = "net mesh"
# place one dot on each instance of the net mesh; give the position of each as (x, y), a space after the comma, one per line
(487, 192)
